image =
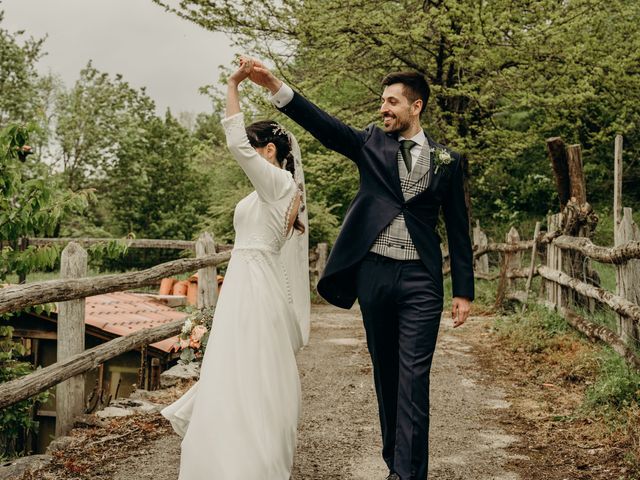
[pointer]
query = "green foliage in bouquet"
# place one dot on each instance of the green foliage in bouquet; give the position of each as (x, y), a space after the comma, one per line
(195, 334)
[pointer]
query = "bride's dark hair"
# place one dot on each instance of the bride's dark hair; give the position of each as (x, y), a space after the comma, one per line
(262, 133)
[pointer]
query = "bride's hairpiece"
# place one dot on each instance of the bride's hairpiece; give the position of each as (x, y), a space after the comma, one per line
(279, 130)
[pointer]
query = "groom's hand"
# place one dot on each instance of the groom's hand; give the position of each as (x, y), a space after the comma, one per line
(460, 310)
(261, 75)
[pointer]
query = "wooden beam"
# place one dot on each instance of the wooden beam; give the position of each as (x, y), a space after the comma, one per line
(39, 334)
(71, 331)
(618, 304)
(617, 187)
(576, 174)
(557, 154)
(131, 243)
(17, 297)
(207, 276)
(616, 255)
(599, 332)
(24, 387)
(532, 266)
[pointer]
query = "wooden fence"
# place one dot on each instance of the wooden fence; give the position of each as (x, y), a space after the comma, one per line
(72, 289)
(564, 263)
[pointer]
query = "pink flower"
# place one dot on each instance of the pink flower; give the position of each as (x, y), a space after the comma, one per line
(198, 332)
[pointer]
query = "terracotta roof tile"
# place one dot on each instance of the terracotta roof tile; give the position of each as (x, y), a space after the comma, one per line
(122, 313)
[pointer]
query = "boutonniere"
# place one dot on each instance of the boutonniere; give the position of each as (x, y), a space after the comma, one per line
(442, 158)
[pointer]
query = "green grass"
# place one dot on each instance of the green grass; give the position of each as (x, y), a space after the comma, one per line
(617, 385)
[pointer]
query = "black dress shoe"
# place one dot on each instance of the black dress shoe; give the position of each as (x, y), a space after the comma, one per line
(393, 476)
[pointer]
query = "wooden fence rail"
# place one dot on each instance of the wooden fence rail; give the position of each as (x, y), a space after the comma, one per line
(22, 388)
(17, 297)
(131, 243)
(615, 255)
(618, 304)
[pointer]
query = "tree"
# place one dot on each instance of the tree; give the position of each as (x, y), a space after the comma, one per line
(24, 95)
(504, 75)
(92, 119)
(29, 205)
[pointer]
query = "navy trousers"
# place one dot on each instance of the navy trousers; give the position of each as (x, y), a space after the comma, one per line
(401, 307)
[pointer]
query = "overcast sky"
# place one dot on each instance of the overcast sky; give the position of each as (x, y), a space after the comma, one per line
(137, 38)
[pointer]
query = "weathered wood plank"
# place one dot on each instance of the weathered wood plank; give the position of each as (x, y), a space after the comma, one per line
(618, 304)
(558, 156)
(532, 266)
(576, 174)
(513, 259)
(71, 327)
(480, 240)
(131, 243)
(44, 378)
(599, 332)
(617, 255)
(617, 188)
(628, 277)
(17, 297)
(207, 276)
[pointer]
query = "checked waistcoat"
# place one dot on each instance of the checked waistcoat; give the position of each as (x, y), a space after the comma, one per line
(394, 241)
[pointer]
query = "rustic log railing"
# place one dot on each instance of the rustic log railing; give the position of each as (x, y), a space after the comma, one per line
(17, 297)
(44, 378)
(70, 367)
(568, 255)
(129, 242)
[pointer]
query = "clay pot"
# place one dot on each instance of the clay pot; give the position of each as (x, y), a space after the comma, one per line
(180, 288)
(166, 286)
(192, 293)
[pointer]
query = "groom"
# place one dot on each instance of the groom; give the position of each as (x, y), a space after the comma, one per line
(388, 252)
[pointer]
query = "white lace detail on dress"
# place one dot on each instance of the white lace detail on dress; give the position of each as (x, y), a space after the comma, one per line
(257, 241)
(297, 194)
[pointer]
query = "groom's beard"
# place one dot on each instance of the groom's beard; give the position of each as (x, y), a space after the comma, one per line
(395, 124)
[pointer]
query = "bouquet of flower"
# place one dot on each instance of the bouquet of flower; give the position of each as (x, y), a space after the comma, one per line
(193, 338)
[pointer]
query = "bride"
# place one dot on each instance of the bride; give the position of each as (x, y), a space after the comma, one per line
(238, 422)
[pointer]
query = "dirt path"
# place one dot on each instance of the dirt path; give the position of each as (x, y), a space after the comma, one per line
(338, 435)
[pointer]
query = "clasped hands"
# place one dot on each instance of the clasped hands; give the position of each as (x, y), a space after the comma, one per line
(257, 72)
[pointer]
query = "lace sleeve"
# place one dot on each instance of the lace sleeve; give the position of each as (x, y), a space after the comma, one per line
(271, 183)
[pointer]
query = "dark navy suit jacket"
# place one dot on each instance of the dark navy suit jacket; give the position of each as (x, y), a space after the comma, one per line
(380, 199)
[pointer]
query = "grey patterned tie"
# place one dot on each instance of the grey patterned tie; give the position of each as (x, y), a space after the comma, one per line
(405, 151)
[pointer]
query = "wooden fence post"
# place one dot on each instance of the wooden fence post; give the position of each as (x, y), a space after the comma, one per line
(480, 240)
(625, 230)
(513, 260)
(576, 174)
(321, 262)
(71, 328)
(554, 262)
(532, 266)
(617, 189)
(628, 278)
(208, 276)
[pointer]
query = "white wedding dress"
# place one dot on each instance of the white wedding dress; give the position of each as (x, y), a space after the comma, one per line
(238, 422)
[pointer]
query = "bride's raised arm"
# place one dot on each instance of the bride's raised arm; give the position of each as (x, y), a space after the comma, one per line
(271, 182)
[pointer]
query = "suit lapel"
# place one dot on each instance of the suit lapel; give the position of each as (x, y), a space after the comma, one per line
(390, 156)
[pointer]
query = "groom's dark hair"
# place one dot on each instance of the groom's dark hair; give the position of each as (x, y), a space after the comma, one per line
(415, 86)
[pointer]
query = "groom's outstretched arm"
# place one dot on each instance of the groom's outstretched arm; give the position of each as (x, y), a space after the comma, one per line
(330, 131)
